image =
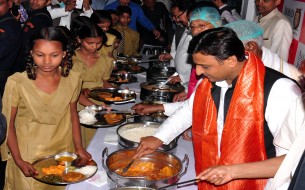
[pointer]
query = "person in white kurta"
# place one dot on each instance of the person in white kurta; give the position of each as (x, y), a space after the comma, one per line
(64, 12)
(227, 13)
(273, 61)
(276, 110)
(290, 137)
(182, 60)
(277, 32)
(251, 34)
(178, 56)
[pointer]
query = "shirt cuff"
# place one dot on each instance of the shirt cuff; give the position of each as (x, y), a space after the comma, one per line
(88, 12)
(58, 12)
(170, 108)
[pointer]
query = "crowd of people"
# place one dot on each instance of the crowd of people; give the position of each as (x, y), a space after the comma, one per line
(242, 106)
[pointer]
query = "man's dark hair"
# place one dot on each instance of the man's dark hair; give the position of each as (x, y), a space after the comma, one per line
(218, 42)
(120, 10)
(77, 23)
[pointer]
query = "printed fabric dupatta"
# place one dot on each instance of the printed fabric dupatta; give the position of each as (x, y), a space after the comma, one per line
(243, 134)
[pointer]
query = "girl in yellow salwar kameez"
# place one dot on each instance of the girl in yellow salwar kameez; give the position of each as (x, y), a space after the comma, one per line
(96, 68)
(40, 107)
(103, 19)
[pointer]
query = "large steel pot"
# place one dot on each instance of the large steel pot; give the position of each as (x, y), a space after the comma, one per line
(159, 73)
(157, 89)
(130, 143)
(119, 159)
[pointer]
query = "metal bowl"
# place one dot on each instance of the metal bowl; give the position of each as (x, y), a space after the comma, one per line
(119, 159)
(65, 154)
(125, 93)
(128, 143)
(125, 76)
(157, 89)
(62, 158)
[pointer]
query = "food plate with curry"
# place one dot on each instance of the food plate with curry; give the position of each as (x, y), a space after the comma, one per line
(112, 95)
(63, 169)
(133, 69)
(122, 78)
(100, 118)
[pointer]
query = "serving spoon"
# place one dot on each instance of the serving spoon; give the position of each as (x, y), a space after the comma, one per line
(128, 166)
(169, 79)
(179, 183)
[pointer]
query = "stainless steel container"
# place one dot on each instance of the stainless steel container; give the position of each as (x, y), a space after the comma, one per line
(119, 159)
(153, 117)
(159, 73)
(157, 89)
(127, 143)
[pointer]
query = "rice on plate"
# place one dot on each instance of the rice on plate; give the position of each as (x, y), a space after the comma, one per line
(87, 116)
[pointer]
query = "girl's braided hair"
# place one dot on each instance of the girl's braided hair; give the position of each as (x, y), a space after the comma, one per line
(57, 33)
(82, 27)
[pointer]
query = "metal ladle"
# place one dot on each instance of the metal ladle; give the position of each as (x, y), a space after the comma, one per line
(128, 166)
(169, 79)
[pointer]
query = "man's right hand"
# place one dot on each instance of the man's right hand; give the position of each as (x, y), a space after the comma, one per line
(165, 57)
(147, 145)
(179, 97)
(143, 109)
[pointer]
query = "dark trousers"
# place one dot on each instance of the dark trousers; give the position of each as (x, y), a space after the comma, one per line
(2, 173)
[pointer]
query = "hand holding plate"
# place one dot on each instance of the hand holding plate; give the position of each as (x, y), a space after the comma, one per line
(83, 153)
(27, 169)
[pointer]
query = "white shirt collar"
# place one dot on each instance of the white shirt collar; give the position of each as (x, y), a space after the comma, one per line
(223, 6)
(223, 84)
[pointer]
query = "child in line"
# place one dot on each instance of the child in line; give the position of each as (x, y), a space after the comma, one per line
(118, 38)
(103, 19)
(95, 67)
(40, 108)
(130, 38)
(114, 16)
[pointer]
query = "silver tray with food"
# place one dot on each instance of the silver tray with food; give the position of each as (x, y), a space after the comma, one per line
(95, 116)
(122, 78)
(130, 60)
(63, 169)
(112, 95)
(133, 69)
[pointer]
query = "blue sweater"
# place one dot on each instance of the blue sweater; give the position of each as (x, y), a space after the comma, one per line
(137, 15)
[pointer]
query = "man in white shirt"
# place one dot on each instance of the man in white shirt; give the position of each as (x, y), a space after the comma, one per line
(221, 126)
(227, 13)
(277, 29)
(178, 55)
(63, 14)
(251, 34)
(284, 168)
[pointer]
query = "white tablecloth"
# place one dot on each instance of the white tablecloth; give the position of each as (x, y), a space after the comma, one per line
(98, 144)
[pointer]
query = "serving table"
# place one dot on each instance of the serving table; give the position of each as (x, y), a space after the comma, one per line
(98, 144)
